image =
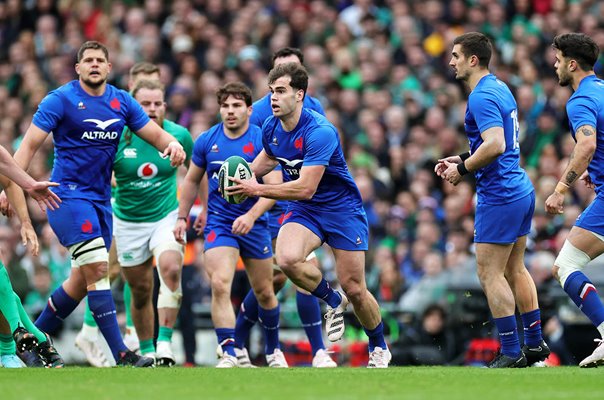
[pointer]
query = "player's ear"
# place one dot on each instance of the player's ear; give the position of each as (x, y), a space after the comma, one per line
(77, 68)
(110, 66)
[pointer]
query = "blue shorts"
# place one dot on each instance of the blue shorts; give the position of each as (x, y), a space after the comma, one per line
(505, 223)
(77, 220)
(274, 223)
(345, 230)
(592, 218)
(256, 244)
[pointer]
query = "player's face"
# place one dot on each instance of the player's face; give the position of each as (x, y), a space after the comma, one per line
(459, 63)
(142, 77)
(152, 101)
(562, 69)
(234, 113)
(94, 68)
(283, 97)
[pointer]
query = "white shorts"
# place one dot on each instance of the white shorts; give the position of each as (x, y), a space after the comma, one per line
(135, 241)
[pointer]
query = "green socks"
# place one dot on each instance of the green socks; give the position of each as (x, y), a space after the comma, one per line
(7, 301)
(165, 334)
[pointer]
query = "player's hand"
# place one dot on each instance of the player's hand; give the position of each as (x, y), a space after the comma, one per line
(587, 180)
(243, 224)
(441, 167)
(200, 222)
(176, 152)
(450, 174)
(180, 231)
(41, 193)
(5, 207)
(249, 187)
(28, 235)
(554, 204)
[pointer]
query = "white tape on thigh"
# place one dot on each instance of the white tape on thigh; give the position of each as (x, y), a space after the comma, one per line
(88, 252)
(311, 256)
(160, 248)
(167, 298)
(570, 260)
(103, 284)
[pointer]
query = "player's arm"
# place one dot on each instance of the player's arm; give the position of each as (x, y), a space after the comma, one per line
(17, 200)
(163, 141)
(202, 217)
(32, 140)
(263, 164)
(189, 189)
(492, 146)
(302, 188)
(244, 223)
(577, 165)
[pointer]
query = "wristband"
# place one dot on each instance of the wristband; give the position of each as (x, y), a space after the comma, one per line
(561, 188)
(183, 218)
(465, 156)
(461, 168)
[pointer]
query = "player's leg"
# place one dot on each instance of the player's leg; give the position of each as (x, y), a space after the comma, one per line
(87, 338)
(220, 265)
(8, 349)
(24, 339)
(491, 260)
(525, 293)
(260, 273)
(169, 257)
(140, 278)
(350, 269)
(580, 247)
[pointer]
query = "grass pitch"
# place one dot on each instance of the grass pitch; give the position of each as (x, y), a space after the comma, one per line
(450, 383)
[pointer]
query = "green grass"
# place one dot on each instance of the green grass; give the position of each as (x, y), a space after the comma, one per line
(448, 383)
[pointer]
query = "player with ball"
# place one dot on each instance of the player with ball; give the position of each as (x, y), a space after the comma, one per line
(234, 225)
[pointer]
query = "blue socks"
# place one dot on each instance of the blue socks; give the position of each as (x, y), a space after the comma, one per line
(103, 309)
(309, 311)
(532, 328)
(269, 320)
(376, 337)
(246, 318)
(226, 340)
(58, 307)
(584, 294)
(327, 294)
(508, 336)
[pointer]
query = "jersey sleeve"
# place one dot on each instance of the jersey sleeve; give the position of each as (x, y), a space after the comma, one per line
(266, 137)
(199, 154)
(49, 113)
(486, 111)
(136, 117)
(582, 111)
(319, 146)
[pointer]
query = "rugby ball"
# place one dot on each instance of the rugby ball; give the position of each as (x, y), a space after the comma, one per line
(235, 167)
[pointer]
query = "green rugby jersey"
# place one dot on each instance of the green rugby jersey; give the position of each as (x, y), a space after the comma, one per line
(146, 183)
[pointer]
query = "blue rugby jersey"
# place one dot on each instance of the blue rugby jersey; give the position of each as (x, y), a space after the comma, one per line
(491, 104)
(210, 150)
(261, 110)
(314, 141)
(86, 130)
(586, 107)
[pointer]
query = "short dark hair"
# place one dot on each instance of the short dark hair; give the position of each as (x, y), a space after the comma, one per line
(236, 89)
(286, 52)
(475, 44)
(578, 47)
(297, 73)
(147, 84)
(92, 45)
(143, 67)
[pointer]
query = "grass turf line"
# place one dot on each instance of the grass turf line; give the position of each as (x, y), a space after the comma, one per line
(450, 383)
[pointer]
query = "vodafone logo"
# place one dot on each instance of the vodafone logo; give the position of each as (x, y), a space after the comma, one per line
(147, 171)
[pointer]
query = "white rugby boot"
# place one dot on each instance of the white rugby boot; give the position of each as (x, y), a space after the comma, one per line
(323, 360)
(334, 317)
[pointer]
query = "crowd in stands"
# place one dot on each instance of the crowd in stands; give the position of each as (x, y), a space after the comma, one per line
(380, 70)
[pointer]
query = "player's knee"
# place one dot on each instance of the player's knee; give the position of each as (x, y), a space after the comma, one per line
(220, 286)
(264, 294)
(569, 260)
(354, 291)
(141, 291)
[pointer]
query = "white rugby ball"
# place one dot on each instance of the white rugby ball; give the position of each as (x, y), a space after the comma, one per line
(234, 167)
